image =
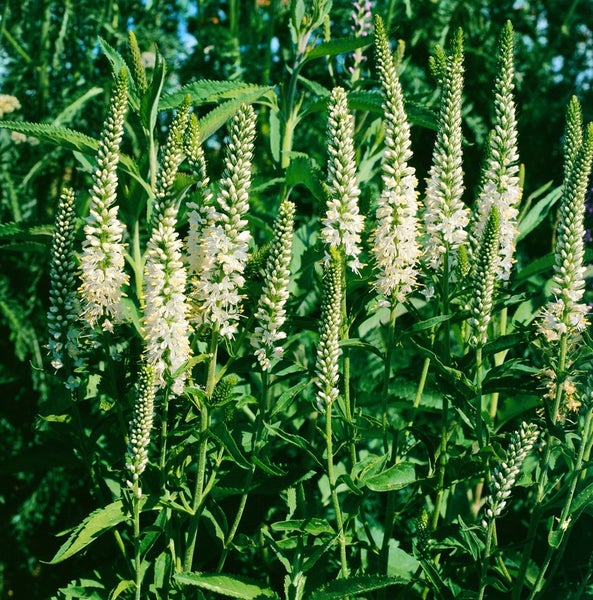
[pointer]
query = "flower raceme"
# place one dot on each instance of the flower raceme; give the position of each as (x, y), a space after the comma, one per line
(216, 286)
(565, 314)
(102, 262)
(165, 321)
(395, 244)
(500, 186)
(271, 314)
(343, 222)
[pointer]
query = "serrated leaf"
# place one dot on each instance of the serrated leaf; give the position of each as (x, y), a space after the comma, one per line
(394, 478)
(96, 524)
(116, 60)
(207, 91)
(343, 588)
(313, 526)
(227, 585)
(338, 46)
(216, 118)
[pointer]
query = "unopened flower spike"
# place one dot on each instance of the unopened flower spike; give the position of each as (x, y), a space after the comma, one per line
(566, 314)
(505, 474)
(102, 262)
(165, 321)
(201, 212)
(137, 67)
(270, 313)
(328, 348)
(484, 279)
(64, 309)
(216, 286)
(395, 245)
(445, 215)
(500, 185)
(343, 223)
(140, 429)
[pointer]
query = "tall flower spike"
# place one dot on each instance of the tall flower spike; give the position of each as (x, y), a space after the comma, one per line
(500, 180)
(362, 22)
(270, 313)
(216, 288)
(505, 474)
(343, 222)
(565, 315)
(166, 327)
(328, 349)
(140, 429)
(395, 244)
(201, 212)
(484, 279)
(445, 215)
(63, 314)
(102, 262)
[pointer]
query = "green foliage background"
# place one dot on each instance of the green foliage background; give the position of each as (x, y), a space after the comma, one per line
(51, 60)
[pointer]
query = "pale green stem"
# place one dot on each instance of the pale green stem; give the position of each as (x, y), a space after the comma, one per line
(479, 376)
(442, 464)
(255, 443)
(541, 491)
(199, 495)
(164, 434)
(387, 370)
(334, 493)
(388, 524)
(565, 519)
(486, 559)
(498, 360)
(137, 540)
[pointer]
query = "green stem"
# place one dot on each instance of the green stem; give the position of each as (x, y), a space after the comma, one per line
(498, 360)
(442, 464)
(479, 419)
(387, 370)
(334, 493)
(543, 478)
(199, 494)
(137, 557)
(486, 560)
(164, 433)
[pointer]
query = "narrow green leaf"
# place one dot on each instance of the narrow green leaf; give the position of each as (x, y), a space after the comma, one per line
(583, 499)
(97, 523)
(338, 46)
(302, 170)
(149, 103)
(66, 115)
(268, 468)
(538, 213)
(287, 397)
(343, 588)
(228, 585)
(394, 478)
(122, 586)
(296, 440)
(116, 60)
(356, 343)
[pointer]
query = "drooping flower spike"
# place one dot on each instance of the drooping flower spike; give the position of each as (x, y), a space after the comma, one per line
(103, 278)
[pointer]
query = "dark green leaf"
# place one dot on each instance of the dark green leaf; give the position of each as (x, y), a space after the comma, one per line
(394, 478)
(313, 527)
(338, 46)
(228, 585)
(342, 588)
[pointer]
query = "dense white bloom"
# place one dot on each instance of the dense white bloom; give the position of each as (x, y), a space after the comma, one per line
(500, 180)
(395, 244)
(102, 263)
(224, 240)
(506, 472)
(565, 314)
(63, 314)
(271, 314)
(343, 222)
(165, 321)
(445, 216)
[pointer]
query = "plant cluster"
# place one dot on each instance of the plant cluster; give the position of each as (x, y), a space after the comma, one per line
(326, 380)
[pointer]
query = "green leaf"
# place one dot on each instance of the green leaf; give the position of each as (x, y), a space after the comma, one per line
(216, 118)
(303, 170)
(312, 526)
(394, 478)
(228, 585)
(66, 115)
(268, 468)
(116, 60)
(287, 397)
(356, 343)
(342, 588)
(540, 211)
(338, 46)
(122, 586)
(583, 499)
(149, 104)
(96, 524)
(296, 440)
(210, 92)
